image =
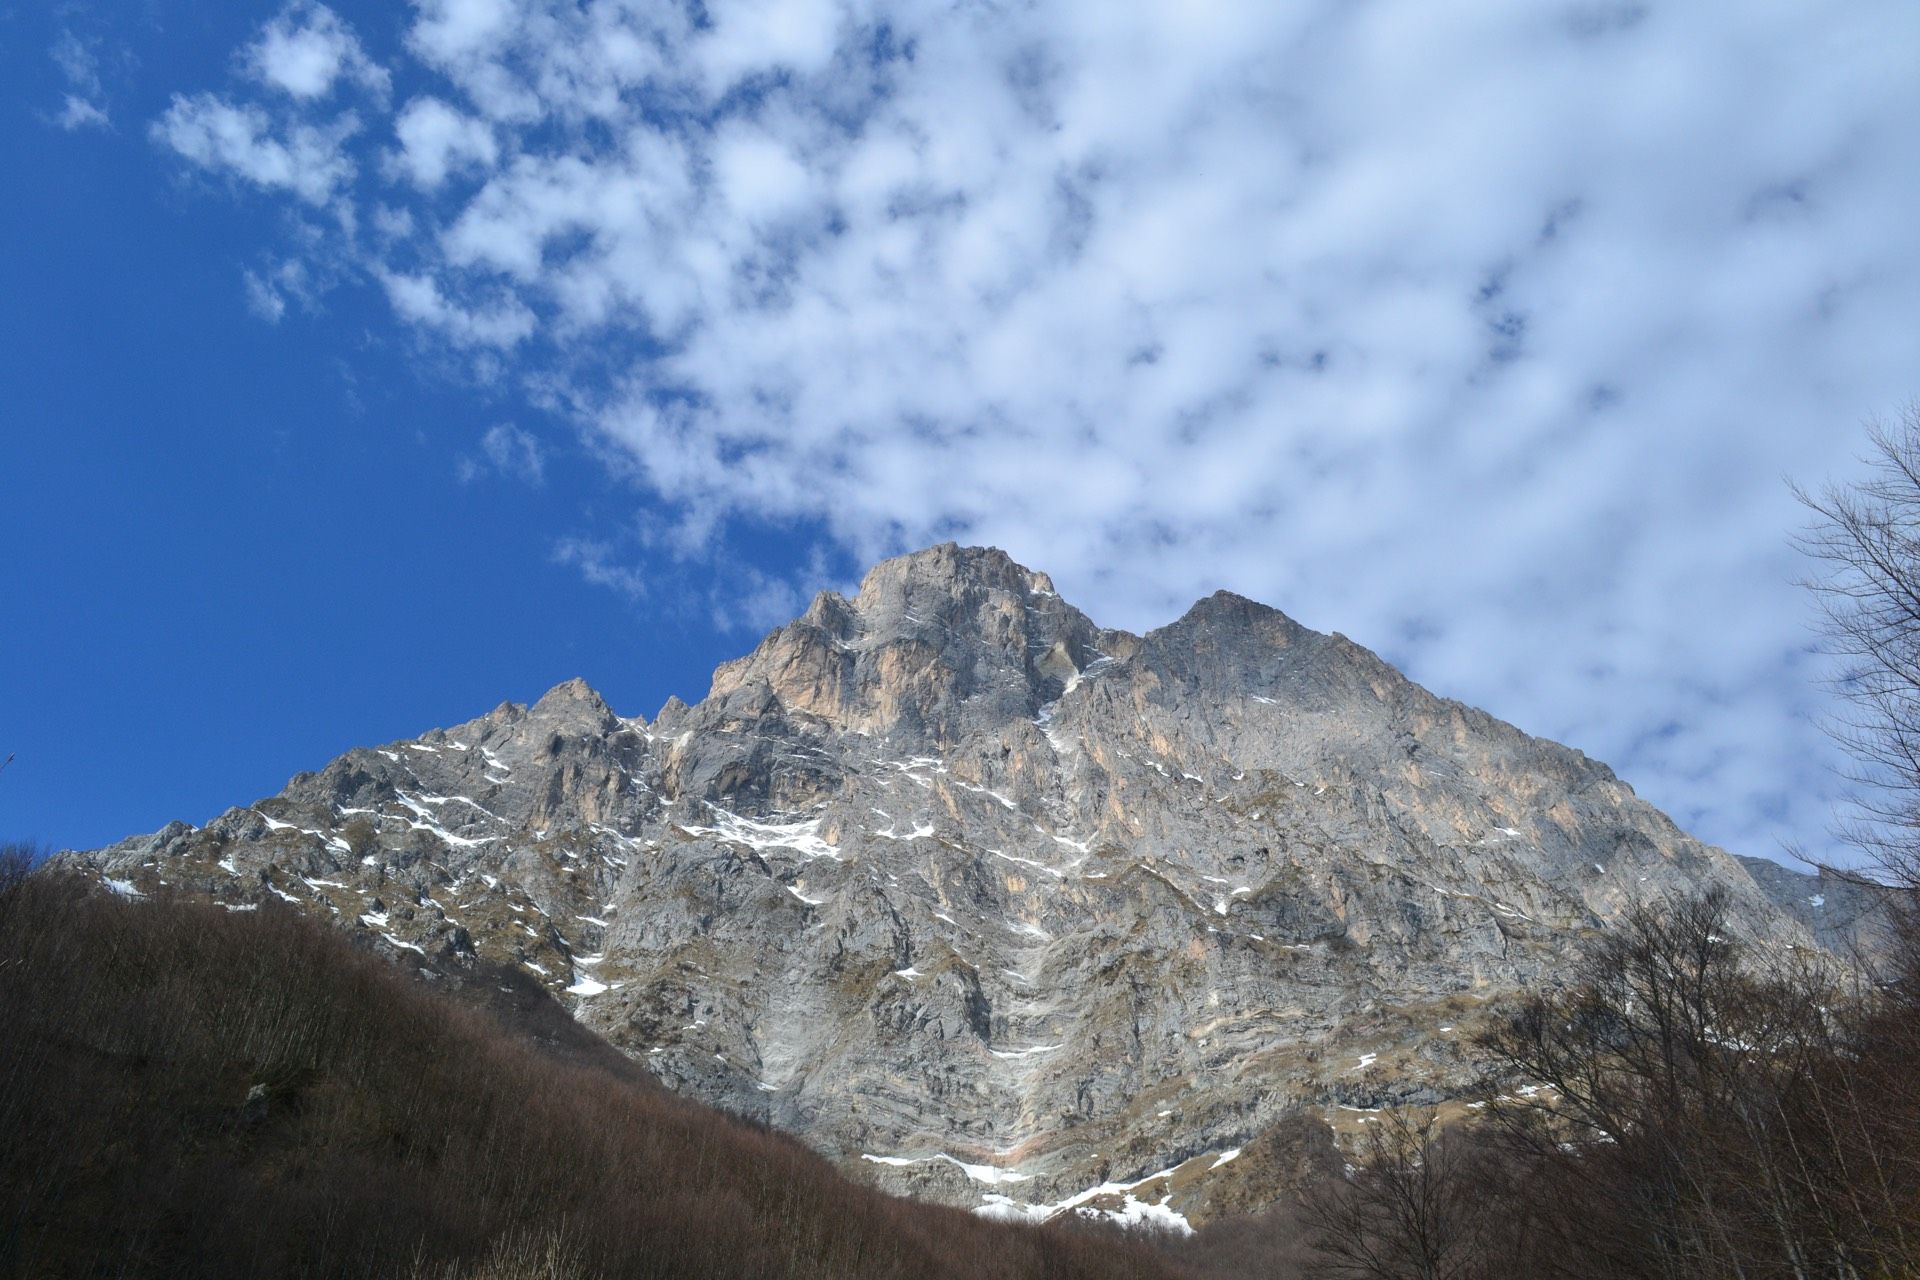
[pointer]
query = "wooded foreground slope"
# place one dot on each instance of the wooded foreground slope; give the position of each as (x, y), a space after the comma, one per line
(186, 1090)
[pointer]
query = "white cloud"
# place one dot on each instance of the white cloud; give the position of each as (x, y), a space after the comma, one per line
(263, 299)
(305, 160)
(748, 599)
(85, 105)
(516, 453)
(1483, 332)
(760, 178)
(598, 563)
(527, 61)
(494, 322)
(392, 224)
(81, 113)
(275, 283)
(754, 37)
(436, 140)
(450, 31)
(306, 49)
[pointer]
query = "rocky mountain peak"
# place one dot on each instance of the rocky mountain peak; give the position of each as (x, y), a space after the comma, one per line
(576, 706)
(949, 570)
(934, 645)
(995, 905)
(1235, 638)
(570, 694)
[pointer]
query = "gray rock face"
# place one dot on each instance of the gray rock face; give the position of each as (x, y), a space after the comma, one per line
(1000, 907)
(1846, 916)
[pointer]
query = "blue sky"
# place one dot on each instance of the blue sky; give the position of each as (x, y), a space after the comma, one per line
(365, 365)
(237, 549)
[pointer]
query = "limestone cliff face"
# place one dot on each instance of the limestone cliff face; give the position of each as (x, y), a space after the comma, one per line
(934, 647)
(999, 906)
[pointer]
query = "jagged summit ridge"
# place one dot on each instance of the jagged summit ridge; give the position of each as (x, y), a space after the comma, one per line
(993, 903)
(934, 643)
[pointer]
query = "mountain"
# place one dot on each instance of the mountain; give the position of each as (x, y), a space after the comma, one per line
(990, 903)
(1845, 915)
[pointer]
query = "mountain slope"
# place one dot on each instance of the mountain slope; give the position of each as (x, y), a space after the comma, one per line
(192, 1092)
(991, 903)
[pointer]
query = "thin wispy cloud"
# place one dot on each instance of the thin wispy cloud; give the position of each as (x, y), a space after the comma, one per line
(271, 286)
(508, 451)
(600, 563)
(264, 299)
(1483, 332)
(84, 105)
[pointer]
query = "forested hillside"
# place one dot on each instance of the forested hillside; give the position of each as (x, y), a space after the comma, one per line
(188, 1091)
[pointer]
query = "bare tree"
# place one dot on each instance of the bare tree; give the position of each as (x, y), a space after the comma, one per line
(1705, 1110)
(1406, 1212)
(1692, 1107)
(1866, 537)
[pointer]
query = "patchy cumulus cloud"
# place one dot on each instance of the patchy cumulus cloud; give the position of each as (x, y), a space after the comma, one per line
(245, 142)
(305, 50)
(1483, 332)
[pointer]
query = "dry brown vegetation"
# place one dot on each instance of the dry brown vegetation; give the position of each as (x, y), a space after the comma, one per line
(1695, 1111)
(186, 1091)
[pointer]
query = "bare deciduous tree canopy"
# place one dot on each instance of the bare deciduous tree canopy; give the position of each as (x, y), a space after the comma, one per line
(1866, 536)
